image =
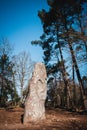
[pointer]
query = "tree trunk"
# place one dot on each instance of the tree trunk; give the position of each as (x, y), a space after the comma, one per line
(77, 73)
(74, 88)
(63, 70)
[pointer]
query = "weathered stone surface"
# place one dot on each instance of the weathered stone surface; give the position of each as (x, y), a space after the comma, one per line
(34, 104)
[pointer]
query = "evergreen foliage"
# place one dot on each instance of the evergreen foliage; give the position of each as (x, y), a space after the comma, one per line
(63, 29)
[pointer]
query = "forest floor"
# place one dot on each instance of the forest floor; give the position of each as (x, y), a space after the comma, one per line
(56, 119)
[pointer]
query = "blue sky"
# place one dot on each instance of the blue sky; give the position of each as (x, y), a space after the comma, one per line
(20, 24)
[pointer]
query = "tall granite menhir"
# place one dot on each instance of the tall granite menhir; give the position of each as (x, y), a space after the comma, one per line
(35, 101)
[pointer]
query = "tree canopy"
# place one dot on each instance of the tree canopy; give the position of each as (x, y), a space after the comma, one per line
(64, 37)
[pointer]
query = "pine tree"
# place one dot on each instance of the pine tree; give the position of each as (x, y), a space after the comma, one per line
(59, 30)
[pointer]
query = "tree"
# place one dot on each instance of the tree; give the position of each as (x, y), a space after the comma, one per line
(23, 67)
(59, 33)
(6, 70)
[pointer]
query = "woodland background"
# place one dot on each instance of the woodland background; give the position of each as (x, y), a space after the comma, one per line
(64, 45)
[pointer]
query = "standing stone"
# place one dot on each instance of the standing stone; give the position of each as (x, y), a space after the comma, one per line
(35, 101)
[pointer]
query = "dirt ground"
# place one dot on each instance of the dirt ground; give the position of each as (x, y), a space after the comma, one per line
(57, 119)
